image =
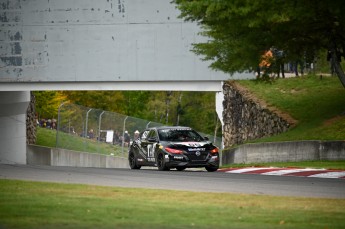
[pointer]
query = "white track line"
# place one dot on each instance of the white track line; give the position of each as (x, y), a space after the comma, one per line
(284, 172)
(288, 171)
(244, 170)
(329, 175)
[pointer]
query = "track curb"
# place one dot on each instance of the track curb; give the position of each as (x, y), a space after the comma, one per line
(300, 172)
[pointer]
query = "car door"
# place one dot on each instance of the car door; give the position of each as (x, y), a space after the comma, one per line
(147, 142)
(141, 144)
(151, 145)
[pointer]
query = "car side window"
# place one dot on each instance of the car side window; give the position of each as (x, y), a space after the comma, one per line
(152, 134)
(144, 135)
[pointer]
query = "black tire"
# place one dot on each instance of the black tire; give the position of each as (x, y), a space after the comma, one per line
(161, 163)
(211, 168)
(180, 168)
(133, 162)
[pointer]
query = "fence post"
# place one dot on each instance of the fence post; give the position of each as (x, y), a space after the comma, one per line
(69, 125)
(58, 125)
(123, 133)
(87, 119)
(99, 132)
(99, 126)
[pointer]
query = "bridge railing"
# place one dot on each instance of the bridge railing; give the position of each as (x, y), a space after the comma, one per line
(97, 131)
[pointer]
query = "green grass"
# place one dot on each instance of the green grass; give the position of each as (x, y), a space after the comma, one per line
(47, 137)
(317, 104)
(26, 204)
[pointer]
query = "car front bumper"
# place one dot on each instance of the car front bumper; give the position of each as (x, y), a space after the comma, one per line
(173, 161)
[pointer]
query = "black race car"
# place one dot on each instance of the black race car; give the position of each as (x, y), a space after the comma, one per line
(173, 147)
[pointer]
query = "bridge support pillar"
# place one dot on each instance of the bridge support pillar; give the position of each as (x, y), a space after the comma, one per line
(13, 107)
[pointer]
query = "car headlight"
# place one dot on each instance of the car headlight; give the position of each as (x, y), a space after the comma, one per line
(214, 151)
(176, 151)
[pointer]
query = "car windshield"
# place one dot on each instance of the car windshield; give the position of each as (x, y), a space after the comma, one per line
(179, 135)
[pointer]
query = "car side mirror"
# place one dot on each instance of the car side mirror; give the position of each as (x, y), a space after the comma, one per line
(206, 138)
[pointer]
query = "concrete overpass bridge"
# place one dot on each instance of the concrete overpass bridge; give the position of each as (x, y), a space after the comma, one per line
(93, 45)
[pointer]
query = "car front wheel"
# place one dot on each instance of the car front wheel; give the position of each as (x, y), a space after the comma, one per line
(133, 162)
(211, 168)
(161, 163)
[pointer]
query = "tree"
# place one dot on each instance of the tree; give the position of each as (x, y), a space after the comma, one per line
(156, 107)
(47, 103)
(241, 30)
(167, 105)
(135, 102)
(194, 109)
(105, 100)
(179, 110)
(197, 109)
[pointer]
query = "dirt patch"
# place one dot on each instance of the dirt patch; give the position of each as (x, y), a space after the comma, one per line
(332, 120)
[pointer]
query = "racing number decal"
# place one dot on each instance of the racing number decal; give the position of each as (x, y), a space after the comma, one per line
(150, 152)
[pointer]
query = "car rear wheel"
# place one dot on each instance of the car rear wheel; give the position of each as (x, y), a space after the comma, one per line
(133, 162)
(211, 168)
(161, 163)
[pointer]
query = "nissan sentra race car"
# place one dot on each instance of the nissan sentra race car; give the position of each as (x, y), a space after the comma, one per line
(173, 147)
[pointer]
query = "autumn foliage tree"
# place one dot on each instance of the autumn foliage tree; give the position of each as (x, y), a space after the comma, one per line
(47, 103)
(239, 31)
(195, 109)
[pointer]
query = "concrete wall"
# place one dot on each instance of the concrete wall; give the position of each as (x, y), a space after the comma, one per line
(38, 155)
(13, 106)
(249, 153)
(104, 40)
(285, 152)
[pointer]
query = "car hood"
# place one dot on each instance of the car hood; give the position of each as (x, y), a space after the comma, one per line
(190, 146)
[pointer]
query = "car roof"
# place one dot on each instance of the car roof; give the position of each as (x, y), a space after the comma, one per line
(168, 127)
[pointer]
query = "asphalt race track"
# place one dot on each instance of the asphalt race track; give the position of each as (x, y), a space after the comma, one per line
(189, 180)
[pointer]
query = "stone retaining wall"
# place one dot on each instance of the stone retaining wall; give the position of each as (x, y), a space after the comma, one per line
(247, 118)
(31, 121)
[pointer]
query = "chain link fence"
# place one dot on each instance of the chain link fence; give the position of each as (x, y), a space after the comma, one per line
(97, 131)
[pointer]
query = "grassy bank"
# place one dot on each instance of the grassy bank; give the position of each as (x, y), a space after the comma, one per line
(318, 104)
(48, 205)
(47, 137)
